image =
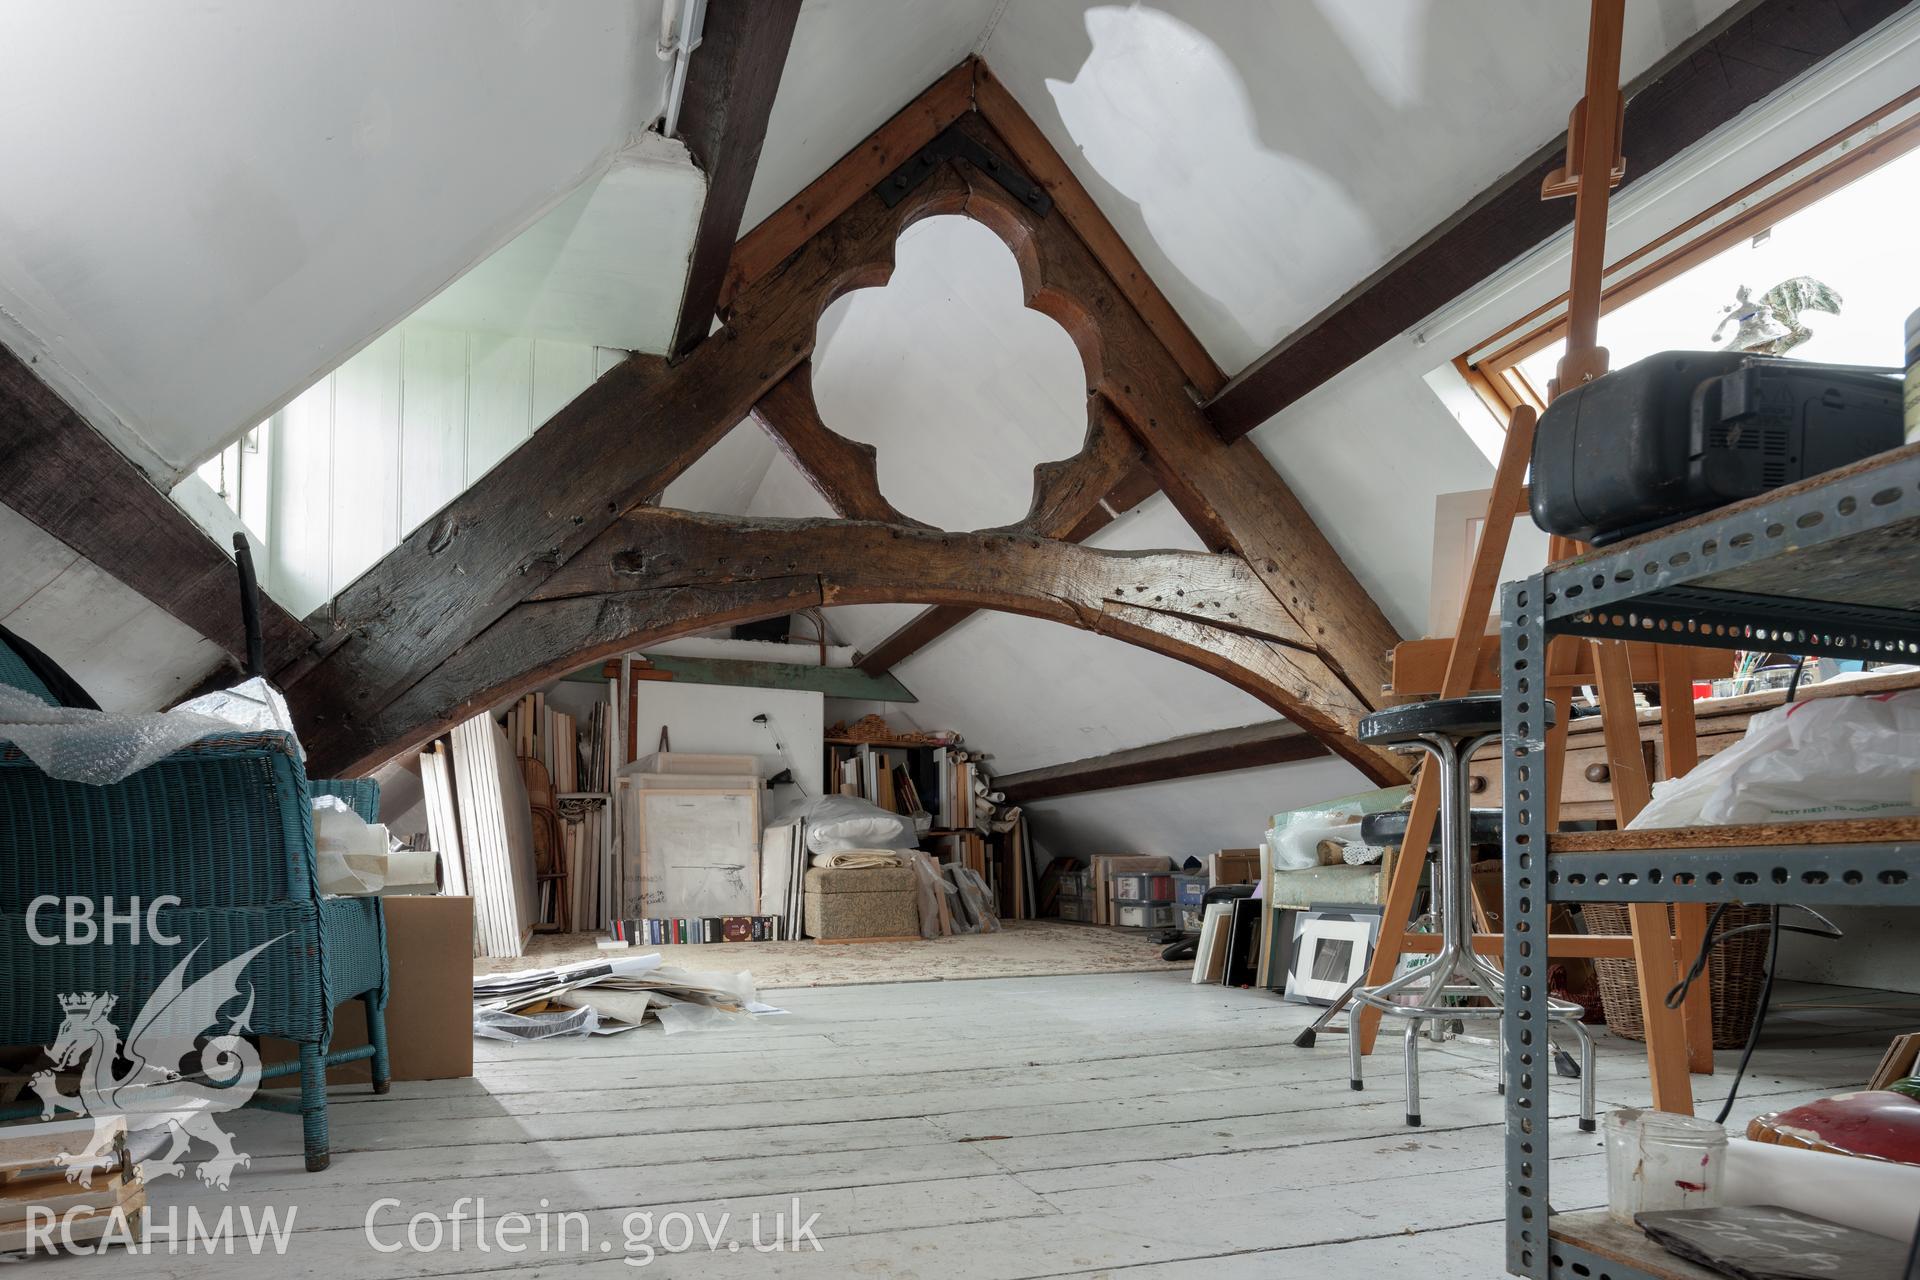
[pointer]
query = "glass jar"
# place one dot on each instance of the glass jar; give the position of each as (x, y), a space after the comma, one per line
(1658, 1160)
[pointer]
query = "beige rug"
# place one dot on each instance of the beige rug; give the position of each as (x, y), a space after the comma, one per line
(1021, 949)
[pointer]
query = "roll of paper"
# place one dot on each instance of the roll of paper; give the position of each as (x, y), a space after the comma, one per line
(1872, 1195)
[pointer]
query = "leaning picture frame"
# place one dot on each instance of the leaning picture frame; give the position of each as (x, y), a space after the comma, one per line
(1331, 947)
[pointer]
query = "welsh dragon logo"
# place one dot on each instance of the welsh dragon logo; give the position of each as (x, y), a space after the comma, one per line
(153, 1092)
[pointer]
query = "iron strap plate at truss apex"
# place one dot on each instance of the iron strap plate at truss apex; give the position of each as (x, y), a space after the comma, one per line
(952, 144)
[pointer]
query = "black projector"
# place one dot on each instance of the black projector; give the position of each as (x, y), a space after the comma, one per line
(1683, 432)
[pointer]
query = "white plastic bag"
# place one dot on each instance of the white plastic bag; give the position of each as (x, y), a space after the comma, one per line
(1296, 845)
(835, 823)
(1853, 757)
(103, 747)
(350, 853)
(253, 706)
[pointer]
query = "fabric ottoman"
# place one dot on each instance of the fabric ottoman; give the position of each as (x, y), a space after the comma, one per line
(862, 902)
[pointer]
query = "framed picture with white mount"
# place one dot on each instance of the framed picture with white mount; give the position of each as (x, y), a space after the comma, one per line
(1331, 948)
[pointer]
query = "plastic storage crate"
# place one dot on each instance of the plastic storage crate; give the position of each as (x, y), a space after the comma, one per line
(1142, 886)
(1143, 915)
(1189, 890)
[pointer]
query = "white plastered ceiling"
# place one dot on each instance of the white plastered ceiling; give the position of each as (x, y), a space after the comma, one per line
(210, 206)
(1262, 159)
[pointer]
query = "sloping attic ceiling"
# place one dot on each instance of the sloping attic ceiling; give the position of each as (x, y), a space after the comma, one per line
(210, 206)
(1261, 160)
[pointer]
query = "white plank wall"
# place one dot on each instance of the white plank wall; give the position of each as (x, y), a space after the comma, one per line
(370, 452)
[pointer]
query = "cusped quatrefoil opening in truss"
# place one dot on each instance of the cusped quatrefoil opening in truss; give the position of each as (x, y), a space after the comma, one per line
(960, 389)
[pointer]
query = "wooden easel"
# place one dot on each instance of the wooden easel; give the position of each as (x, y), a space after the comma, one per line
(1676, 1039)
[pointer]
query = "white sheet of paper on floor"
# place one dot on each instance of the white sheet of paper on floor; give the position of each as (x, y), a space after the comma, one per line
(626, 990)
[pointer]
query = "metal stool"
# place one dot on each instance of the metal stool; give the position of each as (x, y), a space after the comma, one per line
(1450, 731)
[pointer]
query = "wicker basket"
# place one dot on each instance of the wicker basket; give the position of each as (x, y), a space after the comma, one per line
(1738, 968)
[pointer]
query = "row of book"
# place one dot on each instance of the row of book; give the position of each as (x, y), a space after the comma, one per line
(650, 931)
(945, 782)
(891, 777)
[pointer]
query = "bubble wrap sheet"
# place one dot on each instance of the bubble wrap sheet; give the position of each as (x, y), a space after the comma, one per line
(102, 747)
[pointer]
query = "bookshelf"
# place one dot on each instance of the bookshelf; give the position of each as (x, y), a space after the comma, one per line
(947, 785)
(570, 763)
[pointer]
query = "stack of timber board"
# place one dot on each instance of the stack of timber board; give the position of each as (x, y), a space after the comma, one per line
(496, 836)
(35, 1190)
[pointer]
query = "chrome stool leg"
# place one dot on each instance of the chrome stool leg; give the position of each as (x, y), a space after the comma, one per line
(1306, 1038)
(1413, 1072)
(1450, 734)
(1353, 1053)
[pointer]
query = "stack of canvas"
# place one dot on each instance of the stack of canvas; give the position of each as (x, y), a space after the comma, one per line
(783, 870)
(587, 824)
(496, 835)
(538, 732)
(443, 823)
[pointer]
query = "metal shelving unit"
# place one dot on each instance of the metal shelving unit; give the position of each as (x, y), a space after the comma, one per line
(1828, 567)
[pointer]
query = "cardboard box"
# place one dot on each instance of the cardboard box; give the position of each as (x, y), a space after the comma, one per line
(429, 998)
(1235, 866)
(1901, 1060)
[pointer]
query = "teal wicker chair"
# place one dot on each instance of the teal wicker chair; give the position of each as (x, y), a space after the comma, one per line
(225, 825)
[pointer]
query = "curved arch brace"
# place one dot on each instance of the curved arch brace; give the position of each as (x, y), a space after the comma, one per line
(658, 573)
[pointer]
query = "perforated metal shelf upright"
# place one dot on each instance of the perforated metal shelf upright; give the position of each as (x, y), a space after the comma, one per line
(1827, 567)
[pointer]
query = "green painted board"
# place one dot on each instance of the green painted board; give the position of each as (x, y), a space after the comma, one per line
(835, 682)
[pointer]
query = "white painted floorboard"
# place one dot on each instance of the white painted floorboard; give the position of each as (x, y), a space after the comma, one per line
(1118, 1124)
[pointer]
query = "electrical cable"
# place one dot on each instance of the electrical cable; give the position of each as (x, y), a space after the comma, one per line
(1793, 681)
(1759, 1018)
(1677, 996)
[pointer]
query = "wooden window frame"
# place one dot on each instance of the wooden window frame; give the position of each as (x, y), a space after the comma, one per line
(1491, 367)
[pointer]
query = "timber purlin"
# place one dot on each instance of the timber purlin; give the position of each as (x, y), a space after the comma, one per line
(912, 636)
(1195, 755)
(1726, 68)
(68, 479)
(723, 122)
